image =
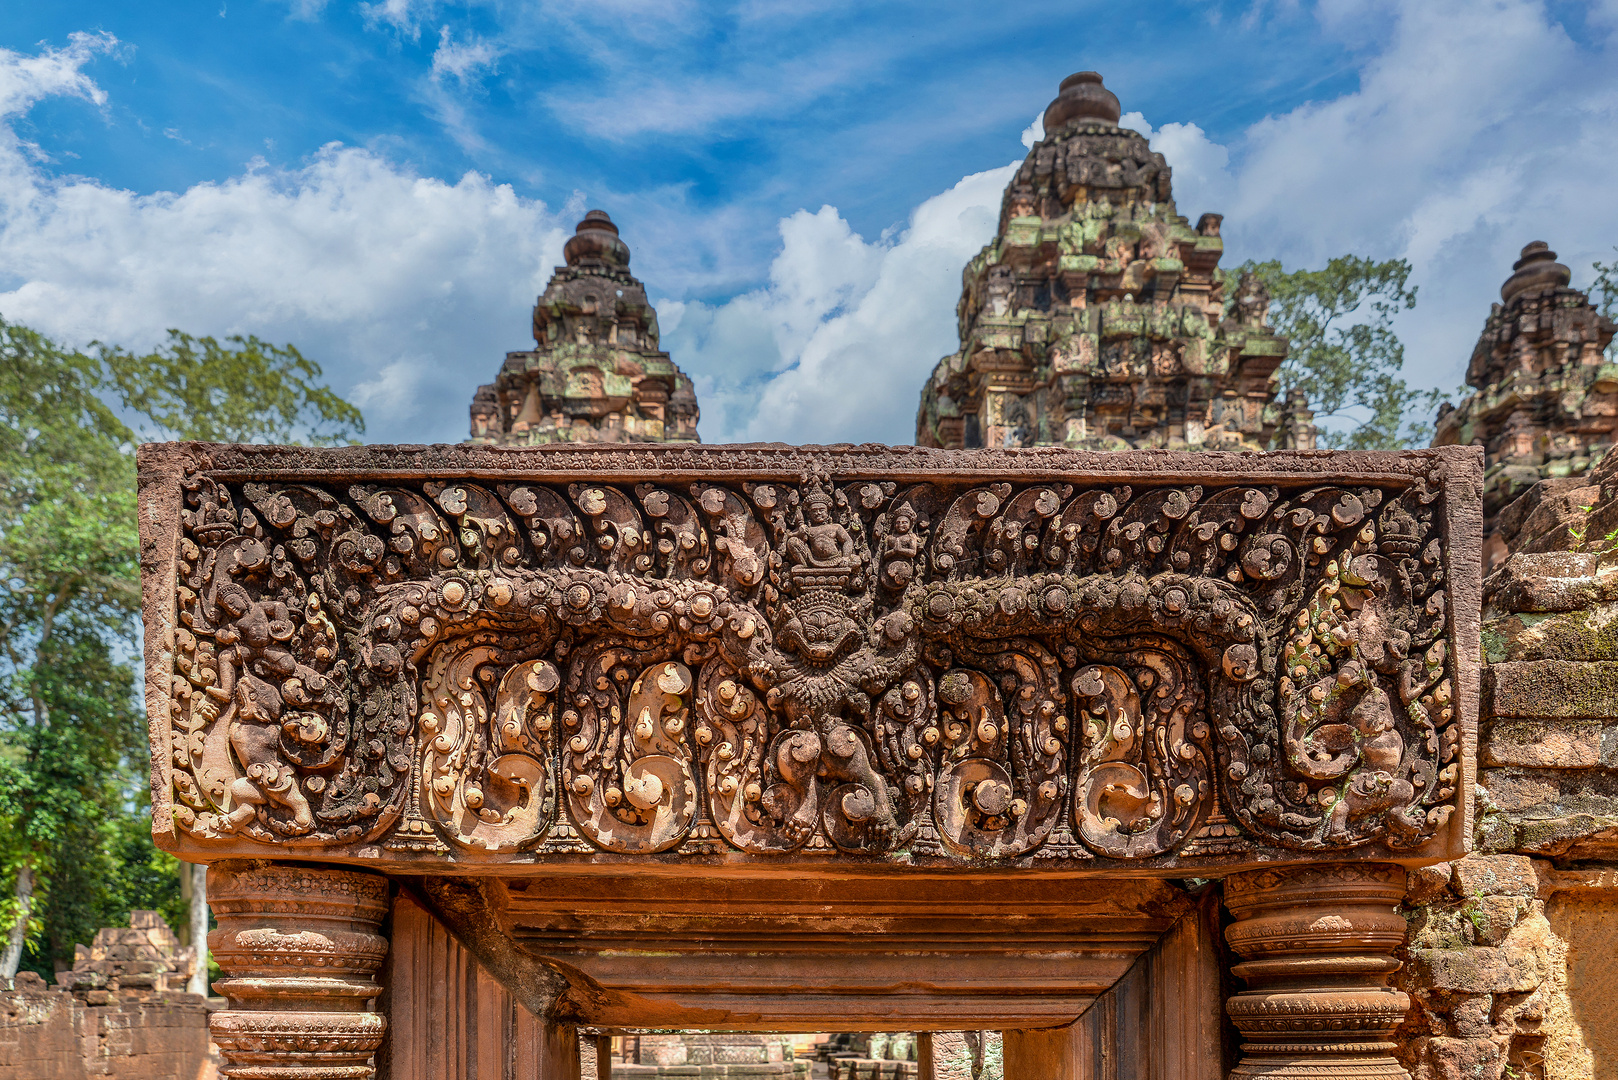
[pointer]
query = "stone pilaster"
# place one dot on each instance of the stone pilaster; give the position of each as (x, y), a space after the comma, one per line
(1316, 944)
(300, 947)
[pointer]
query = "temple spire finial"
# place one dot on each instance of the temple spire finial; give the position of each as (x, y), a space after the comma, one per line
(1080, 98)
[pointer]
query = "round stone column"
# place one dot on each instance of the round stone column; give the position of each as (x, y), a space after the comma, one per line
(300, 947)
(1317, 945)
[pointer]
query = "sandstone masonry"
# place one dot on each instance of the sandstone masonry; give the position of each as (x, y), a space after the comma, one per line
(121, 1011)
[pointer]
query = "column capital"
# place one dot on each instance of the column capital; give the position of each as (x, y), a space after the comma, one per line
(300, 947)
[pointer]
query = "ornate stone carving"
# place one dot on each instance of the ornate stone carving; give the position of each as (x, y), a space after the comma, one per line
(1317, 946)
(299, 947)
(1546, 398)
(876, 653)
(596, 373)
(1098, 317)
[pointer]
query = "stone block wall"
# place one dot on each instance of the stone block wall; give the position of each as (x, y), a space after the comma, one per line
(1512, 957)
(121, 1011)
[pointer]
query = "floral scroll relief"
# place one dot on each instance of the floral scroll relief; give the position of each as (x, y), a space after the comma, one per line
(947, 669)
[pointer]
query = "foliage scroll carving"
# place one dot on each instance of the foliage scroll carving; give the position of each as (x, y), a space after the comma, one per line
(917, 668)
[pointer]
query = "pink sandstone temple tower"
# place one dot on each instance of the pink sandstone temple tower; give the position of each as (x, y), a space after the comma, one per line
(595, 373)
(1097, 318)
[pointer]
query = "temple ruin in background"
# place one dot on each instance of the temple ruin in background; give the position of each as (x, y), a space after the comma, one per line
(595, 373)
(489, 748)
(1098, 317)
(1545, 405)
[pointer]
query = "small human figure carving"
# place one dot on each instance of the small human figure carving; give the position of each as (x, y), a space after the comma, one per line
(821, 542)
(901, 549)
(254, 646)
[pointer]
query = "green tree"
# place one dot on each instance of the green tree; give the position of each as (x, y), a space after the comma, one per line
(72, 731)
(1604, 295)
(1344, 353)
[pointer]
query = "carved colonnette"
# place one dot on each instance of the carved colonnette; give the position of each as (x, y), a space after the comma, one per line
(744, 660)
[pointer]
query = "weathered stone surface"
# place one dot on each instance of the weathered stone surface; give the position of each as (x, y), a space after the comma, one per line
(121, 1011)
(1546, 507)
(1588, 634)
(1428, 882)
(596, 373)
(1576, 836)
(893, 658)
(50, 1034)
(1552, 744)
(1580, 1027)
(1551, 792)
(1480, 969)
(1546, 402)
(1551, 582)
(1097, 317)
(1552, 688)
(1448, 1058)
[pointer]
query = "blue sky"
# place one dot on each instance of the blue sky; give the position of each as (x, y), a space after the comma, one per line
(388, 184)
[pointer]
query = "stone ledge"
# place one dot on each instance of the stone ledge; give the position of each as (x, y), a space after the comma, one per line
(1549, 689)
(1495, 875)
(1588, 634)
(1550, 581)
(1524, 794)
(1577, 836)
(1560, 744)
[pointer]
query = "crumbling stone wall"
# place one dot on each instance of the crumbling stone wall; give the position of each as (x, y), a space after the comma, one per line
(121, 1011)
(1512, 958)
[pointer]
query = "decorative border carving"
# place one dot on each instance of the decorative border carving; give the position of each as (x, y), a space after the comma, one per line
(1094, 660)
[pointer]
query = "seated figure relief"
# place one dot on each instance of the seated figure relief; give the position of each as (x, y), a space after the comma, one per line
(938, 670)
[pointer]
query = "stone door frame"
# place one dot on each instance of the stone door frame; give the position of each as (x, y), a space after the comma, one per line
(759, 737)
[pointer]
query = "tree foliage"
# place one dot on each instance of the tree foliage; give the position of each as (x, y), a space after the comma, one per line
(248, 391)
(1604, 295)
(72, 730)
(1344, 353)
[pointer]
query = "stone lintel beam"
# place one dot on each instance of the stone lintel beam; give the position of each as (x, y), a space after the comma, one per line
(476, 660)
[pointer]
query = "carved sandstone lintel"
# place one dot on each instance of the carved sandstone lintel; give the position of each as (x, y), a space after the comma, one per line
(1317, 945)
(409, 656)
(300, 947)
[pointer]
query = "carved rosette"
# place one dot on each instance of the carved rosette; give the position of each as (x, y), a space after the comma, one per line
(300, 949)
(1317, 946)
(942, 668)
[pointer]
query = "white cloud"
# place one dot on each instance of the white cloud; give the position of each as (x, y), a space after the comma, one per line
(1202, 182)
(408, 289)
(26, 79)
(1034, 132)
(1476, 126)
(306, 10)
(405, 16)
(837, 347)
(463, 60)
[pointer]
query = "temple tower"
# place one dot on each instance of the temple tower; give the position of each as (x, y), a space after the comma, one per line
(1546, 401)
(1097, 318)
(595, 373)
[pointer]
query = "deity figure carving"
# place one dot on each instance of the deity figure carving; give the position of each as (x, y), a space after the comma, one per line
(939, 668)
(820, 543)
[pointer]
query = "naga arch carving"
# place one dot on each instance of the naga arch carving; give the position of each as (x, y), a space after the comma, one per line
(895, 655)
